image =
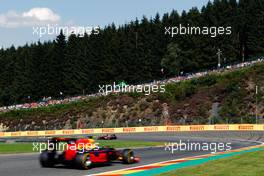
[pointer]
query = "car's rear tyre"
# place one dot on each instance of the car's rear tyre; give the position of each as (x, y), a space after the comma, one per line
(83, 161)
(128, 156)
(47, 159)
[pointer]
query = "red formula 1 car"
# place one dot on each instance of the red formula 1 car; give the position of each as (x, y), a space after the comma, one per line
(107, 137)
(83, 154)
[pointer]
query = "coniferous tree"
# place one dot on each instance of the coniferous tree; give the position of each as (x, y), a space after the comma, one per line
(134, 52)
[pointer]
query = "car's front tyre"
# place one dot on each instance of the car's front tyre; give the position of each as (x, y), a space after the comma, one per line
(128, 156)
(83, 161)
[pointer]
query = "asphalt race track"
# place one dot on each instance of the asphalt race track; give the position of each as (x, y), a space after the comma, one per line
(28, 165)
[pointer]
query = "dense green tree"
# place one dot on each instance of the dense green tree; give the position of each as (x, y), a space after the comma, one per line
(173, 60)
(134, 52)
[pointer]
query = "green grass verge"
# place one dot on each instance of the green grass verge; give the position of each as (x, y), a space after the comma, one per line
(28, 147)
(248, 164)
(15, 148)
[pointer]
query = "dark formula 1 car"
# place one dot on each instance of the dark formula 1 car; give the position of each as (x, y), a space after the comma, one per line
(107, 137)
(83, 154)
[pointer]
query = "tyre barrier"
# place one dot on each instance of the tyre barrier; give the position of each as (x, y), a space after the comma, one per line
(143, 129)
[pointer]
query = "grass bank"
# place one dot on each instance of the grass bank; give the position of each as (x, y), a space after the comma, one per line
(248, 164)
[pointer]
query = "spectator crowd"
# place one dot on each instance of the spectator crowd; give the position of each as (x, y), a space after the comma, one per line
(183, 76)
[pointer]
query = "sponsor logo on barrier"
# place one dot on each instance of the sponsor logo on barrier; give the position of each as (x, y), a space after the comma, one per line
(150, 129)
(50, 132)
(108, 130)
(173, 128)
(221, 127)
(68, 132)
(85, 131)
(129, 130)
(15, 133)
(196, 128)
(2, 134)
(32, 133)
(245, 127)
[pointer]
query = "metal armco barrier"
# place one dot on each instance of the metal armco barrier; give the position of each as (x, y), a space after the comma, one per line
(144, 129)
